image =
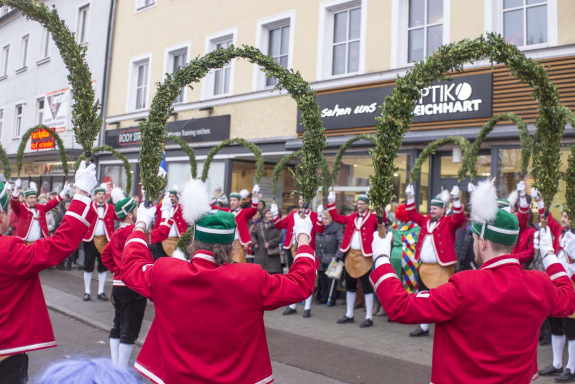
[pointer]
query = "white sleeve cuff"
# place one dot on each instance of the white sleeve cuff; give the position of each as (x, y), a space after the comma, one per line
(456, 204)
(410, 201)
(550, 260)
(84, 199)
(382, 260)
(540, 204)
(523, 202)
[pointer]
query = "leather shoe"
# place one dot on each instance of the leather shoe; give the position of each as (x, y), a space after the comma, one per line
(366, 323)
(566, 377)
(102, 296)
(289, 311)
(306, 313)
(345, 320)
(86, 297)
(80, 267)
(550, 371)
(419, 332)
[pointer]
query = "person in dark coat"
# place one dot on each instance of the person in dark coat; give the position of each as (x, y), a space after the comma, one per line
(327, 247)
(266, 237)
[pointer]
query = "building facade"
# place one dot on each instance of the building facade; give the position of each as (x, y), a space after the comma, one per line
(34, 88)
(351, 51)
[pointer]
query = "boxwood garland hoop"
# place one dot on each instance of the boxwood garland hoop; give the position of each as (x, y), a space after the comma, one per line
(244, 143)
(24, 142)
(189, 151)
(432, 147)
(86, 118)
(153, 128)
(280, 166)
(118, 155)
(396, 111)
(341, 151)
(5, 163)
(526, 142)
(569, 176)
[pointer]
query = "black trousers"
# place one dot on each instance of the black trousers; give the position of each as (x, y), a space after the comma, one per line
(157, 251)
(92, 255)
(351, 283)
(420, 285)
(129, 308)
(289, 258)
(563, 326)
(323, 286)
(14, 370)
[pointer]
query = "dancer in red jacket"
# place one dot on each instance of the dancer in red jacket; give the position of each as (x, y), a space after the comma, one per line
(24, 321)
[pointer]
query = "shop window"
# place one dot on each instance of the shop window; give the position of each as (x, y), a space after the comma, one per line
(424, 186)
(45, 46)
(177, 57)
(5, 59)
(82, 25)
(178, 174)
(425, 28)
(118, 175)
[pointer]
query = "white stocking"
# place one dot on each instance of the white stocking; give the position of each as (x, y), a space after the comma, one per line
(87, 280)
(571, 360)
(557, 344)
(115, 350)
(350, 302)
(293, 306)
(369, 306)
(101, 281)
(124, 355)
(425, 327)
(307, 303)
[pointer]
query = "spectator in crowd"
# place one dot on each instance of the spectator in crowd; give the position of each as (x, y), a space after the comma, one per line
(50, 220)
(219, 198)
(327, 248)
(58, 211)
(136, 199)
(266, 240)
(261, 205)
(97, 371)
(405, 235)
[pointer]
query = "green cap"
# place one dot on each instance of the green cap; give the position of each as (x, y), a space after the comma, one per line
(504, 230)
(124, 206)
(30, 192)
(502, 203)
(216, 227)
(99, 189)
(235, 195)
(4, 199)
(363, 197)
(438, 202)
(173, 192)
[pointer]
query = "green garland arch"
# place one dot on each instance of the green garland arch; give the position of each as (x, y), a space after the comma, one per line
(118, 155)
(569, 176)
(280, 166)
(5, 163)
(396, 111)
(526, 142)
(152, 129)
(432, 147)
(189, 151)
(24, 142)
(341, 151)
(86, 119)
(244, 143)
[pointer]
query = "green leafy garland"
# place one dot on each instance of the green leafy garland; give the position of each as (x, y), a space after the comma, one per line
(280, 166)
(5, 163)
(396, 111)
(526, 142)
(432, 147)
(24, 142)
(341, 151)
(569, 176)
(152, 130)
(86, 118)
(118, 155)
(185, 240)
(189, 151)
(244, 143)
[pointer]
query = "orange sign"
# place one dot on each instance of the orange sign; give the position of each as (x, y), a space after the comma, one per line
(42, 139)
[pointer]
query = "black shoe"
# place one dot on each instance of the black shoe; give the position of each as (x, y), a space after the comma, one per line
(389, 320)
(306, 313)
(565, 377)
(60, 266)
(546, 341)
(419, 332)
(86, 297)
(68, 268)
(345, 320)
(102, 296)
(550, 371)
(80, 267)
(366, 323)
(289, 311)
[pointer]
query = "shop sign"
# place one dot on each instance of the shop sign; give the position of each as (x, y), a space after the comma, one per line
(56, 110)
(41, 139)
(31, 170)
(465, 97)
(202, 130)
(57, 168)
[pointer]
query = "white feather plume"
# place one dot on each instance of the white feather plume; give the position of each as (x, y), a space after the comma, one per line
(512, 198)
(484, 201)
(195, 201)
(244, 193)
(117, 194)
(444, 195)
(34, 186)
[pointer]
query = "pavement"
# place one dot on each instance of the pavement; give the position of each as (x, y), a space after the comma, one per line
(314, 350)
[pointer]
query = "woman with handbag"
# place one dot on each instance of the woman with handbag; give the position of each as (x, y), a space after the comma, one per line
(266, 239)
(327, 247)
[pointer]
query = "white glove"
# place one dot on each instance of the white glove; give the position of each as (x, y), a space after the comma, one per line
(256, 190)
(274, 210)
(536, 241)
(470, 187)
(86, 177)
(302, 226)
(166, 203)
(8, 186)
(319, 209)
(568, 244)
(535, 193)
(455, 193)
(521, 188)
(65, 190)
(409, 190)
(146, 215)
(331, 197)
(17, 185)
(545, 241)
(381, 247)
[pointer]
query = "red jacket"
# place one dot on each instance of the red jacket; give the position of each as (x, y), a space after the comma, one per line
(178, 219)
(288, 222)
(209, 323)
(443, 235)
(524, 249)
(108, 217)
(243, 215)
(487, 320)
(24, 320)
(13, 222)
(25, 215)
(368, 227)
(112, 253)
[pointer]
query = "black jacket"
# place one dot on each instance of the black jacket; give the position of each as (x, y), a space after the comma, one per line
(328, 244)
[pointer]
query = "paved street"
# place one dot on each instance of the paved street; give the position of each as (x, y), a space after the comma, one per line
(315, 350)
